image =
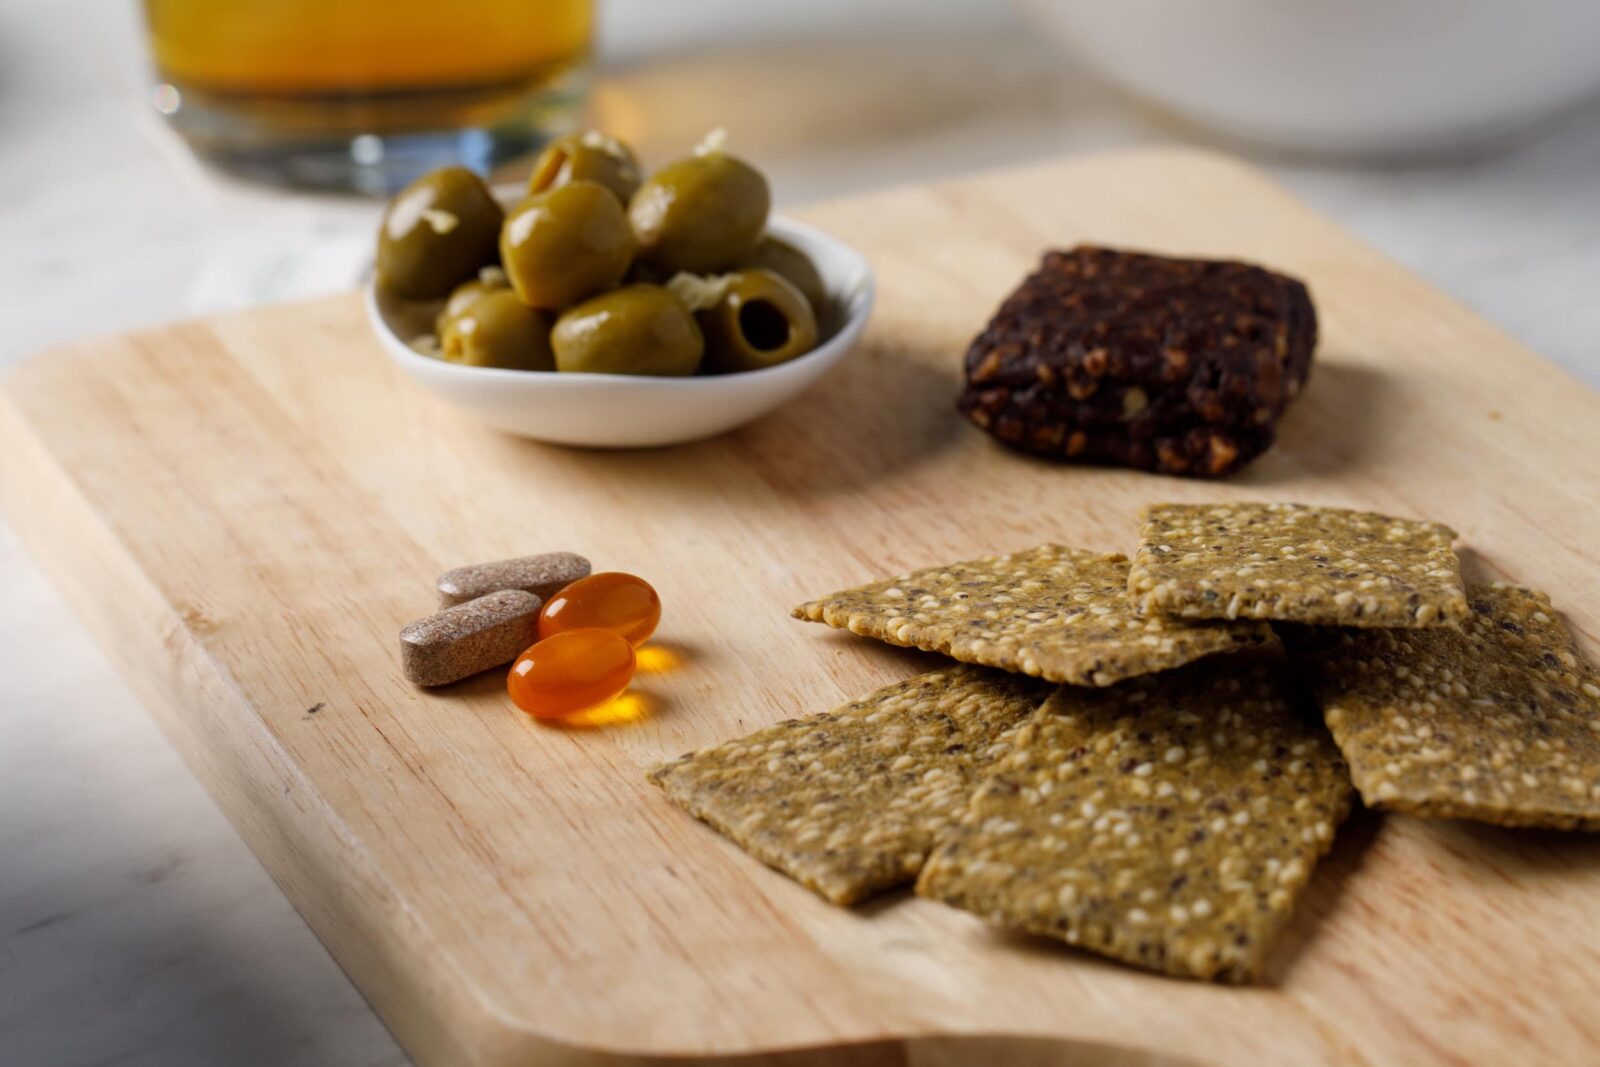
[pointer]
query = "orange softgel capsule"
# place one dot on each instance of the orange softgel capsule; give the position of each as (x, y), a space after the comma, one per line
(611, 600)
(570, 672)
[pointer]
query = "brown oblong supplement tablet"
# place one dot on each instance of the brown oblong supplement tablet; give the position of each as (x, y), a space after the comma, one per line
(543, 576)
(459, 641)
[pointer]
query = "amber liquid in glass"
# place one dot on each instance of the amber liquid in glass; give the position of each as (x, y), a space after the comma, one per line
(367, 93)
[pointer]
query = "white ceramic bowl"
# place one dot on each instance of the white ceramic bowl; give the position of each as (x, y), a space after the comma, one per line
(1364, 77)
(636, 411)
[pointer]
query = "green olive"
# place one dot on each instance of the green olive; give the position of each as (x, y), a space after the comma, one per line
(591, 157)
(760, 320)
(781, 257)
(560, 246)
(702, 214)
(463, 296)
(498, 330)
(436, 233)
(638, 329)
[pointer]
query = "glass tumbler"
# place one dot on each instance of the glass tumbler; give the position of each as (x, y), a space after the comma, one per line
(367, 94)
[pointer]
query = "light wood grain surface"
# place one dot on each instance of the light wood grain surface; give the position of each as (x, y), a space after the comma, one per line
(245, 510)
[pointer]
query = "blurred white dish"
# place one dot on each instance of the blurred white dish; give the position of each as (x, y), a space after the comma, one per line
(1385, 77)
(634, 411)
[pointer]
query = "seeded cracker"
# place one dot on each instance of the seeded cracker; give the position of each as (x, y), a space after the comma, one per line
(1057, 613)
(1169, 822)
(1498, 722)
(1296, 563)
(848, 803)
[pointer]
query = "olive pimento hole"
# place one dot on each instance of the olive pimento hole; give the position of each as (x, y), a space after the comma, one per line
(763, 325)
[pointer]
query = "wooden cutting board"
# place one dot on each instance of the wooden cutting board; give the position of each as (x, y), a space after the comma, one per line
(246, 509)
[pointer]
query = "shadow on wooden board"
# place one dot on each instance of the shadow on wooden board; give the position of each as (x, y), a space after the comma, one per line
(930, 1052)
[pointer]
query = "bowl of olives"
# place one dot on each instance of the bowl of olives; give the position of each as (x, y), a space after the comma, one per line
(600, 307)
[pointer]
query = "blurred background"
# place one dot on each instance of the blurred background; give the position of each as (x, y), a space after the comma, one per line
(182, 157)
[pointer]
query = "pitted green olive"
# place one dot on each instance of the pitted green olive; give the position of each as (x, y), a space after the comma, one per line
(702, 214)
(436, 233)
(592, 157)
(638, 329)
(760, 320)
(498, 330)
(489, 280)
(781, 257)
(560, 246)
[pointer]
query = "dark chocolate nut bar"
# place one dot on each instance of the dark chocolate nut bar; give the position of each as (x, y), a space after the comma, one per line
(1182, 366)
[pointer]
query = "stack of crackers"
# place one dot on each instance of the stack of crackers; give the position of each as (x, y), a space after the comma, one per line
(1148, 759)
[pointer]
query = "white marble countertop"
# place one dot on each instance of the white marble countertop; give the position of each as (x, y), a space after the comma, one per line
(135, 927)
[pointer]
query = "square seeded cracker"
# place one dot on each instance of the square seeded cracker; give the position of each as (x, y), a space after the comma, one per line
(849, 802)
(1170, 821)
(1498, 721)
(1057, 613)
(1295, 563)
